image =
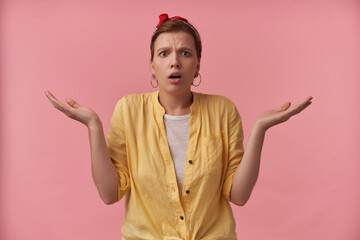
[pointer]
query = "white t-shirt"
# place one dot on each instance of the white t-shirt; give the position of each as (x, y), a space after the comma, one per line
(177, 131)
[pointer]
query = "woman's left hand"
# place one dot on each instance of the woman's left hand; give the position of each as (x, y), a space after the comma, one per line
(281, 114)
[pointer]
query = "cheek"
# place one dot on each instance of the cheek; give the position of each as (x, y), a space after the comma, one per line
(193, 67)
(156, 67)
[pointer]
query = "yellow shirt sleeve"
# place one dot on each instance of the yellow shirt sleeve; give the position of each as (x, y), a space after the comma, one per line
(236, 150)
(116, 143)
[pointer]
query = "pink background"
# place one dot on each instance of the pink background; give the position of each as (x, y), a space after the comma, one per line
(260, 54)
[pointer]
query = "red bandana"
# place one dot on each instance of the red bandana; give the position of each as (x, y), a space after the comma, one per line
(164, 17)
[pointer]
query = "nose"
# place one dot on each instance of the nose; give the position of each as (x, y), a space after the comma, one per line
(175, 63)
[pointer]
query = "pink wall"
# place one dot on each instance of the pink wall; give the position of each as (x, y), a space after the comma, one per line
(258, 53)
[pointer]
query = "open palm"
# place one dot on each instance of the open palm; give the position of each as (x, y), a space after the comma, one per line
(283, 113)
(73, 110)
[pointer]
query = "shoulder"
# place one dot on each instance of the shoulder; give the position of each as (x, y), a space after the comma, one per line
(218, 105)
(216, 101)
(135, 100)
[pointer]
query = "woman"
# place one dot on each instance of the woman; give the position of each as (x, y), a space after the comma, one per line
(174, 153)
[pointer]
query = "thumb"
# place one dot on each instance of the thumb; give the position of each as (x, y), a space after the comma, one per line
(72, 103)
(283, 107)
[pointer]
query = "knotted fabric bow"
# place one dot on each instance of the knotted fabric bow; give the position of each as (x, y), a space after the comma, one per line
(164, 17)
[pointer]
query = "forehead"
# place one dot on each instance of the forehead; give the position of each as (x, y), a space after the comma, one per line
(178, 39)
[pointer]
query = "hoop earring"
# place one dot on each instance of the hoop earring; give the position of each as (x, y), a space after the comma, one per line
(151, 82)
(197, 74)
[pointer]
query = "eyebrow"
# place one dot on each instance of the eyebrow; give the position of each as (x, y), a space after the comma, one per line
(182, 48)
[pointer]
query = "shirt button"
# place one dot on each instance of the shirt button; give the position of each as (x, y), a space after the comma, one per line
(181, 217)
(190, 161)
(187, 191)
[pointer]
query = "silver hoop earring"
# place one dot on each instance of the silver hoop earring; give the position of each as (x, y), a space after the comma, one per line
(151, 82)
(197, 74)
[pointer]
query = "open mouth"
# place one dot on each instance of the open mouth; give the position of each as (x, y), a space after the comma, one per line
(175, 76)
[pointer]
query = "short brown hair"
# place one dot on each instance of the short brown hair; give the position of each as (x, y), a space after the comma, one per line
(177, 26)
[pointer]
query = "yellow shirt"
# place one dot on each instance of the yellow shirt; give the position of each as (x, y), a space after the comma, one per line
(139, 149)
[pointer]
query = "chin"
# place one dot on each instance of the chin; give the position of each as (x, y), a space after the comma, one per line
(176, 89)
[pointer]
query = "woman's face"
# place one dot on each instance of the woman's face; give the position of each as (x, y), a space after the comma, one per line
(175, 62)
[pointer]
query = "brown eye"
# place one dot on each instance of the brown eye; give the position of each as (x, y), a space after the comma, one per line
(186, 53)
(163, 54)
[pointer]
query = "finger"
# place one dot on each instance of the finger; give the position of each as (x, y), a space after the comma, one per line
(300, 106)
(283, 107)
(56, 103)
(305, 101)
(51, 97)
(72, 103)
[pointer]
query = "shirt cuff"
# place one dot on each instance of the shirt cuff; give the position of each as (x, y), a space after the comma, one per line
(227, 186)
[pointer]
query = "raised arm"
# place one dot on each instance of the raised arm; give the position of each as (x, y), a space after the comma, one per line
(247, 172)
(104, 172)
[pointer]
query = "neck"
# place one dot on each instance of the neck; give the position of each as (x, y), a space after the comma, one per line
(176, 105)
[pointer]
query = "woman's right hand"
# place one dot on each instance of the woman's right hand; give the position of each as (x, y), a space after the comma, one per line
(74, 110)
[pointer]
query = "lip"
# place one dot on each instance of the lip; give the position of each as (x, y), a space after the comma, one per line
(175, 73)
(175, 80)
